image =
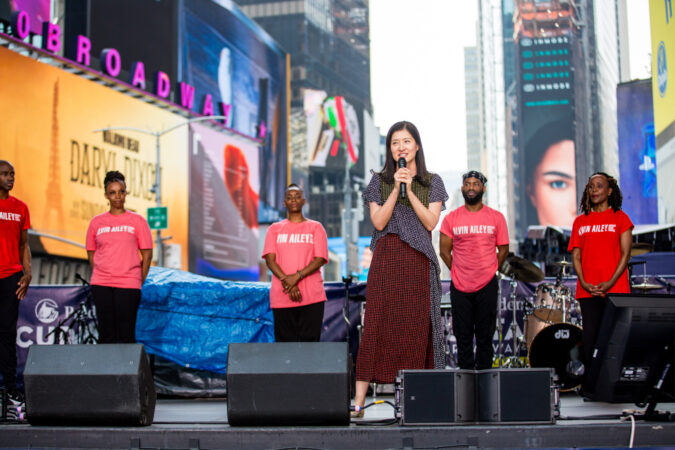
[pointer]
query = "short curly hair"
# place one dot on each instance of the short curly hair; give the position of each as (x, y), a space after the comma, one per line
(615, 198)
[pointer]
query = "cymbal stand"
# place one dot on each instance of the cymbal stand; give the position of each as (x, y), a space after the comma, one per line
(500, 320)
(559, 293)
(513, 360)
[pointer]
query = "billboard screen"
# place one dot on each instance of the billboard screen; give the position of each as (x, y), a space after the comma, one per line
(37, 11)
(333, 131)
(224, 193)
(61, 162)
(225, 53)
(662, 21)
(637, 152)
(546, 132)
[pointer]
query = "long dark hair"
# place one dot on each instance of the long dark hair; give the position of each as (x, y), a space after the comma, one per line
(111, 177)
(390, 167)
(615, 198)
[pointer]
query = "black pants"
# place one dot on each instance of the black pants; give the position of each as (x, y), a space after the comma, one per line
(474, 314)
(298, 324)
(116, 310)
(9, 314)
(591, 314)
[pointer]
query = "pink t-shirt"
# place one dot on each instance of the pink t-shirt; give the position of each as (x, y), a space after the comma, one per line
(116, 241)
(295, 246)
(475, 237)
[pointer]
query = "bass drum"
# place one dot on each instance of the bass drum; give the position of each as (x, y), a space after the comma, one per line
(559, 346)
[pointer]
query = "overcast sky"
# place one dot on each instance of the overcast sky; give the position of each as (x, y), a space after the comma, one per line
(417, 68)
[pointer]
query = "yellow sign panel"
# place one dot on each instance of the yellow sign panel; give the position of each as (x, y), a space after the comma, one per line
(663, 63)
(47, 133)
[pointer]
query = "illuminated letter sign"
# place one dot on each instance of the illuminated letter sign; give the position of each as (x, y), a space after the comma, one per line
(51, 37)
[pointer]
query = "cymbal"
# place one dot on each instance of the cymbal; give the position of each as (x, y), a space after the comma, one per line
(563, 263)
(640, 248)
(644, 286)
(521, 269)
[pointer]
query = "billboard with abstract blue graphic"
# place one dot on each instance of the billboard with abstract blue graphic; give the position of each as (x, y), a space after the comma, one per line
(637, 151)
(223, 52)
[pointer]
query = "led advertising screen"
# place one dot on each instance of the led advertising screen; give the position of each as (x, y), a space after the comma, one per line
(225, 53)
(333, 131)
(224, 193)
(61, 162)
(637, 152)
(546, 131)
(35, 12)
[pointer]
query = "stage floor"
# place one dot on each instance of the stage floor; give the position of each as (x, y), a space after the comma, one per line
(202, 424)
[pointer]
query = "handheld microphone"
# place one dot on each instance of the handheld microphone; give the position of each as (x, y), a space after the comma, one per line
(402, 163)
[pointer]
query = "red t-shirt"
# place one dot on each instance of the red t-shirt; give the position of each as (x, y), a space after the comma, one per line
(475, 237)
(295, 246)
(116, 241)
(598, 236)
(14, 218)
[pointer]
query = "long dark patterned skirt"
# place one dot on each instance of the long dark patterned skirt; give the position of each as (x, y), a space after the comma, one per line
(397, 324)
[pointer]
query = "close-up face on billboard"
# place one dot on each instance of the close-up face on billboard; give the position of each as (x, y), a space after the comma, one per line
(547, 131)
(61, 162)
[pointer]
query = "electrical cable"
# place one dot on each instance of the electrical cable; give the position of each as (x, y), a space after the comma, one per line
(632, 428)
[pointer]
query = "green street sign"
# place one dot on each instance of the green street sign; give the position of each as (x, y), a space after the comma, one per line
(158, 218)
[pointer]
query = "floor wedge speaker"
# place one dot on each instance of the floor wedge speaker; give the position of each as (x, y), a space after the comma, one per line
(288, 383)
(105, 384)
(516, 396)
(435, 397)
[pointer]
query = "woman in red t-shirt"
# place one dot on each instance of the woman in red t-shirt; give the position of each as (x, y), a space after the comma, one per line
(600, 246)
(114, 241)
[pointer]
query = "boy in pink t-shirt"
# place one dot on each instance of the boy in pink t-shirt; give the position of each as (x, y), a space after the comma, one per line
(295, 249)
(474, 243)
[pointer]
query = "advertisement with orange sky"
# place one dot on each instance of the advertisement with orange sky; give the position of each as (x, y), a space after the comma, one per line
(224, 201)
(47, 132)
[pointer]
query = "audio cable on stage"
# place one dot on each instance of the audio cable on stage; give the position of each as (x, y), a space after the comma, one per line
(378, 422)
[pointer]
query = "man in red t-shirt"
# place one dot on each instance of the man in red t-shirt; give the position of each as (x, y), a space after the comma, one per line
(15, 273)
(474, 243)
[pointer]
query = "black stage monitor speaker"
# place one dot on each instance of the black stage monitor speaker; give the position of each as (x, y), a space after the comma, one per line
(435, 397)
(516, 395)
(105, 384)
(288, 383)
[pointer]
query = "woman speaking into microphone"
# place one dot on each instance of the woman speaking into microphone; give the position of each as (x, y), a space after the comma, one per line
(119, 246)
(402, 326)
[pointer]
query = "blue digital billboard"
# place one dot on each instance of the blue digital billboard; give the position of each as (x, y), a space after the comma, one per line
(637, 151)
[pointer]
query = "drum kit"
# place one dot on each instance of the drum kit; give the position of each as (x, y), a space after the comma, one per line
(552, 324)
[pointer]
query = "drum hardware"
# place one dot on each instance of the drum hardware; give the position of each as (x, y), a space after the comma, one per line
(500, 355)
(518, 269)
(522, 269)
(559, 346)
(630, 270)
(668, 284)
(564, 264)
(644, 286)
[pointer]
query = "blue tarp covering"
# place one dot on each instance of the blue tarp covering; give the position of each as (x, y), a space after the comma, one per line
(190, 319)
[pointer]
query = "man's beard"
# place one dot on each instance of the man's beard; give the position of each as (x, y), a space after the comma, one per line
(472, 200)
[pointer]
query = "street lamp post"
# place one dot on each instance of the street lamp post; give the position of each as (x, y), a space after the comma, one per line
(157, 187)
